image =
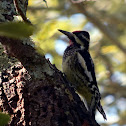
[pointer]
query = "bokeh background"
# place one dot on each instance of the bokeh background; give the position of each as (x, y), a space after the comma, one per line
(105, 20)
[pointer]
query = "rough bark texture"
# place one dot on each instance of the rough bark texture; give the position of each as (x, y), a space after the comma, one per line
(41, 102)
(34, 92)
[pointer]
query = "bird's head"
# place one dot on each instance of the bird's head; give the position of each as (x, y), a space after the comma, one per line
(81, 38)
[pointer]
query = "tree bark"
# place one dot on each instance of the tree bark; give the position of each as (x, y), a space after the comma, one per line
(34, 92)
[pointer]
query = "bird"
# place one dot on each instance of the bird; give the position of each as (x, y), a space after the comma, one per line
(79, 69)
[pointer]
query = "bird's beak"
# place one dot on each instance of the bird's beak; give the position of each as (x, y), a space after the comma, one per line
(68, 34)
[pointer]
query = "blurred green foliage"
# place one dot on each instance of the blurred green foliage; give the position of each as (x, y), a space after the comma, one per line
(4, 119)
(16, 29)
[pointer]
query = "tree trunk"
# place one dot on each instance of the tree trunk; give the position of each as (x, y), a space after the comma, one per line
(34, 92)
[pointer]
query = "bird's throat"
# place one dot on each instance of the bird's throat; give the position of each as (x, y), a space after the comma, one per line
(70, 42)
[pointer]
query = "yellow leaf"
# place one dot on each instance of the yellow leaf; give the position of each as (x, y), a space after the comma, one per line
(109, 49)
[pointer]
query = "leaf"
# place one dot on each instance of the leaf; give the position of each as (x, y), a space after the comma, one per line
(16, 29)
(109, 49)
(50, 28)
(4, 119)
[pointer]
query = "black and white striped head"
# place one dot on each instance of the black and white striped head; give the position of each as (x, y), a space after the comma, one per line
(81, 38)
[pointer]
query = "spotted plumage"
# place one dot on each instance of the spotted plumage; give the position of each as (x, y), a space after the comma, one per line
(79, 70)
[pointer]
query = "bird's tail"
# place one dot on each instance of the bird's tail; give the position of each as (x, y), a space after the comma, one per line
(100, 109)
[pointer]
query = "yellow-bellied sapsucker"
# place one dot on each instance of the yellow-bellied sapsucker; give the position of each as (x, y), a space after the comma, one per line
(79, 70)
